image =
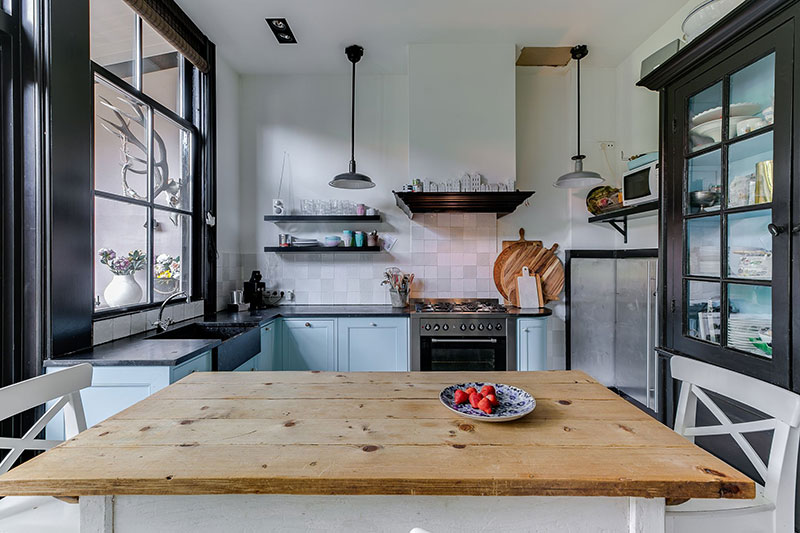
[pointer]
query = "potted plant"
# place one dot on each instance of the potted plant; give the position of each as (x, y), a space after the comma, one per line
(167, 271)
(123, 289)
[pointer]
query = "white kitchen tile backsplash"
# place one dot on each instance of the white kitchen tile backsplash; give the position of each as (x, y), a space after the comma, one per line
(450, 253)
(112, 329)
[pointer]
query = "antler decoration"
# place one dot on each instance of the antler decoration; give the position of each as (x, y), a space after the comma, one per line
(162, 182)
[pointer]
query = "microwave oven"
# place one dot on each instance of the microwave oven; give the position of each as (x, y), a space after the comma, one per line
(640, 185)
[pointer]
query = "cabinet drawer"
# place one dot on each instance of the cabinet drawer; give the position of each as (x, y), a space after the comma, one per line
(201, 363)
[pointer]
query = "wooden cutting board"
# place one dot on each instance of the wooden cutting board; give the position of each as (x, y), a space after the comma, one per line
(539, 260)
(509, 247)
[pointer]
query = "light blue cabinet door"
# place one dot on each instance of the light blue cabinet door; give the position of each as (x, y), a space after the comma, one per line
(248, 366)
(532, 343)
(308, 344)
(269, 358)
(373, 344)
(115, 388)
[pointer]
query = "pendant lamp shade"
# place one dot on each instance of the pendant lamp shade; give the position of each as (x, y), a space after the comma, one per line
(352, 179)
(579, 178)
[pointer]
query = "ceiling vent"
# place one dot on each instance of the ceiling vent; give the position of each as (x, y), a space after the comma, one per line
(280, 28)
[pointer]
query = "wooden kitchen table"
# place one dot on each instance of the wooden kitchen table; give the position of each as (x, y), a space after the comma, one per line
(280, 451)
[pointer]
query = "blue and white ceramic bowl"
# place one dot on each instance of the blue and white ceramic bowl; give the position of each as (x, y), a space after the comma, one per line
(514, 402)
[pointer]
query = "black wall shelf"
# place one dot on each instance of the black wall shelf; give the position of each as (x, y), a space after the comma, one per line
(322, 218)
(501, 203)
(321, 249)
(618, 219)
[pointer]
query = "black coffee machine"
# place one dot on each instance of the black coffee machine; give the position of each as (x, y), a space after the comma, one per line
(257, 295)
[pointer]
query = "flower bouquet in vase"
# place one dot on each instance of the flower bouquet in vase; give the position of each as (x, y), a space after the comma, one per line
(167, 272)
(123, 289)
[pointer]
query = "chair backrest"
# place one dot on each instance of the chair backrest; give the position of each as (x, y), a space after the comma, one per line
(782, 405)
(63, 386)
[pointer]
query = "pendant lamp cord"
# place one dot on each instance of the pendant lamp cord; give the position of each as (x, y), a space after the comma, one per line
(579, 107)
(353, 119)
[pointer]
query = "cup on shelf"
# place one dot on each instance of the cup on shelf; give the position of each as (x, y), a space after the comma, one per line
(359, 235)
(307, 207)
(347, 238)
(361, 210)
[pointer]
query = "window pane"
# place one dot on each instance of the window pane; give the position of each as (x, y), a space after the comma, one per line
(119, 232)
(750, 245)
(172, 248)
(120, 142)
(172, 185)
(752, 98)
(750, 171)
(702, 313)
(705, 118)
(702, 242)
(750, 319)
(160, 72)
(705, 182)
(111, 36)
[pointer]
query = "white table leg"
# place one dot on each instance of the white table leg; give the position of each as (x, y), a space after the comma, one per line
(646, 515)
(97, 514)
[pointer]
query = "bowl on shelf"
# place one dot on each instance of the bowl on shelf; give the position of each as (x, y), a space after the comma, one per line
(704, 199)
(332, 241)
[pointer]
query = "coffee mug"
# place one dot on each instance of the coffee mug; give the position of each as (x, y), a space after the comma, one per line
(359, 239)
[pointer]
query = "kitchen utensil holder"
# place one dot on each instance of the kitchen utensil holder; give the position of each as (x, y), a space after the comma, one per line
(398, 298)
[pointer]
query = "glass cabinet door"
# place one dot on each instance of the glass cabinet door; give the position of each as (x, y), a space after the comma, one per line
(733, 245)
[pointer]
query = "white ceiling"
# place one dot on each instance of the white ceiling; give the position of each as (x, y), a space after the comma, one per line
(611, 28)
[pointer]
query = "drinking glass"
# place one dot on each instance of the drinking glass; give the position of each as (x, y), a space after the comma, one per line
(307, 207)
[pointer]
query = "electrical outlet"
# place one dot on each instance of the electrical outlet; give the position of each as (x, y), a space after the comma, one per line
(289, 296)
(607, 145)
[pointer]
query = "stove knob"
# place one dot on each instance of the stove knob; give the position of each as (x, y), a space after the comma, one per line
(472, 327)
(427, 327)
(445, 327)
(436, 327)
(463, 327)
(489, 327)
(499, 326)
(480, 327)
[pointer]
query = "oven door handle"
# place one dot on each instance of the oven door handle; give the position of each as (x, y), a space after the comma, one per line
(493, 341)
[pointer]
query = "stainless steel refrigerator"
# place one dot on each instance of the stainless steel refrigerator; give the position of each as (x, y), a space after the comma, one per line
(612, 320)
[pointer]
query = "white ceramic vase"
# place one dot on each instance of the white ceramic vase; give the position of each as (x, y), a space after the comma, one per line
(123, 290)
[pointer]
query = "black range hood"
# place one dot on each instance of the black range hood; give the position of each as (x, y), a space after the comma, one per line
(501, 203)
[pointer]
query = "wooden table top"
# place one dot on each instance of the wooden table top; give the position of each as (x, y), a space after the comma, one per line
(376, 433)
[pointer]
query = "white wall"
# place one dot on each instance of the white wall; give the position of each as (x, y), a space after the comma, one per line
(461, 111)
(229, 272)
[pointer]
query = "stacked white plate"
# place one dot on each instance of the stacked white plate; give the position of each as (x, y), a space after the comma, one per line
(305, 242)
(706, 127)
(745, 326)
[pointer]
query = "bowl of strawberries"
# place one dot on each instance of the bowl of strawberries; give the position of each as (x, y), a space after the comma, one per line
(489, 402)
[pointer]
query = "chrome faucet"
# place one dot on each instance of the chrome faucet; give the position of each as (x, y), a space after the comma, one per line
(162, 324)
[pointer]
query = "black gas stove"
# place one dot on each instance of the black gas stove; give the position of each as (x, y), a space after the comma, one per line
(459, 335)
(458, 306)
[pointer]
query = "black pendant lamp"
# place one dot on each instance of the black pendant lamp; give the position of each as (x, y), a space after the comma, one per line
(352, 179)
(579, 178)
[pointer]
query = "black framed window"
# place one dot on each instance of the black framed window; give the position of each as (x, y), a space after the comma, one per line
(145, 163)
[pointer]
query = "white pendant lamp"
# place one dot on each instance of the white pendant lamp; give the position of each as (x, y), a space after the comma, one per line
(352, 179)
(579, 178)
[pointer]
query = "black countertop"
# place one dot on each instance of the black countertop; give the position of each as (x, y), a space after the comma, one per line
(136, 350)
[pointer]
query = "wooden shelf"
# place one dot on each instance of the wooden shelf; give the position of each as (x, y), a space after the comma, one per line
(322, 218)
(321, 249)
(621, 216)
(501, 203)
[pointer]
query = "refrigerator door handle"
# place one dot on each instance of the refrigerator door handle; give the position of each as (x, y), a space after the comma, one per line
(648, 369)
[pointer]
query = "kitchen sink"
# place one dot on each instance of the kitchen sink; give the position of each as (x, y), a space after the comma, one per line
(204, 330)
(240, 342)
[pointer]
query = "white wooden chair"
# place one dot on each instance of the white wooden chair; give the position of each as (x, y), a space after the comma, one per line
(773, 508)
(43, 514)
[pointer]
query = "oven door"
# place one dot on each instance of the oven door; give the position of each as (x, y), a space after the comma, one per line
(462, 353)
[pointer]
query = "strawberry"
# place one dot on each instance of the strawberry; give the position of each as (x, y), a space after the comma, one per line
(460, 397)
(471, 390)
(485, 405)
(474, 399)
(493, 399)
(486, 390)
